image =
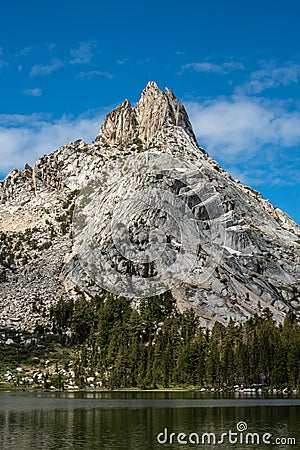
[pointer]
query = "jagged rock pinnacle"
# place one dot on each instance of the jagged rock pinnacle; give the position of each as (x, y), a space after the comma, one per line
(255, 264)
(154, 111)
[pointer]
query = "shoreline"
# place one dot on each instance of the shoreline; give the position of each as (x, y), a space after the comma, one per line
(245, 391)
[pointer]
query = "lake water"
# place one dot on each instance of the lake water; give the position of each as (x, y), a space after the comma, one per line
(146, 421)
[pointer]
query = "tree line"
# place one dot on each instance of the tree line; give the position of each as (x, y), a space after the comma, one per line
(156, 346)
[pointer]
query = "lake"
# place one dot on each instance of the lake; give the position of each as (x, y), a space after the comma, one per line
(147, 420)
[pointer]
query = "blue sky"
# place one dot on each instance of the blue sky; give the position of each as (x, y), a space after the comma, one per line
(234, 64)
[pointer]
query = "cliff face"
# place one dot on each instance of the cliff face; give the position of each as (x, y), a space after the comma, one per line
(154, 111)
(141, 210)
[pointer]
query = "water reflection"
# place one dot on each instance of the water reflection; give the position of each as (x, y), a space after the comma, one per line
(116, 421)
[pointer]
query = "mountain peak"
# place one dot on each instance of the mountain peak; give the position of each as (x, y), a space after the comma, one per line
(152, 85)
(154, 111)
(151, 214)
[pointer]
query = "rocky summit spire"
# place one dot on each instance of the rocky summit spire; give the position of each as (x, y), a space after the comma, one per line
(142, 217)
(154, 111)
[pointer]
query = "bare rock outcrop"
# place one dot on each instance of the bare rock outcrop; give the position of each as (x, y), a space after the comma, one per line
(254, 262)
(154, 111)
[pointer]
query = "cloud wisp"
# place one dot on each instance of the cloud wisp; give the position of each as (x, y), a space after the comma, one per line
(94, 73)
(83, 54)
(252, 136)
(80, 55)
(35, 92)
(26, 138)
(209, 67)
(46, 69)
(270, 76)
(2, 61)
(233, 125)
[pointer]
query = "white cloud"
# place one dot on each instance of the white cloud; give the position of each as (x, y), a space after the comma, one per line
(270, 76)
(121, 62)
(94, 73)
(2, 62)
(256, 140)
(25, 138)
(83, 54)
(208, 67)
(238, 124)
(36, 92)
(46, 69)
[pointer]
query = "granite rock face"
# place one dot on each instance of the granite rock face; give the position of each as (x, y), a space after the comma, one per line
(142, 209)
(154, 111)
